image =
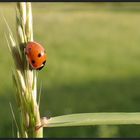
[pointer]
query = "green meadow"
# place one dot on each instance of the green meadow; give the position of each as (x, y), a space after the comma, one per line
(93, 64)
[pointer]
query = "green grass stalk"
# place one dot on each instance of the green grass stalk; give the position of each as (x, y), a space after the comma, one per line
(25, 79)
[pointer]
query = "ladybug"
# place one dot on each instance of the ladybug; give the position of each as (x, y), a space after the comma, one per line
(36, 55)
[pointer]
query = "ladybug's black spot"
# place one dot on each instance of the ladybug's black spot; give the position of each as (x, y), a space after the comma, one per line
(39, 55)
(33, 61)
(44, 62)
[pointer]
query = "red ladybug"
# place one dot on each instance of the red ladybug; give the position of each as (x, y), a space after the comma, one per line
(36, 55)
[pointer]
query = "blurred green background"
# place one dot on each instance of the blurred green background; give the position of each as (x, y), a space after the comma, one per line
(93, 64)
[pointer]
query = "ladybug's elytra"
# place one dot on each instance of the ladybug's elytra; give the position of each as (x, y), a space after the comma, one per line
(36, 55)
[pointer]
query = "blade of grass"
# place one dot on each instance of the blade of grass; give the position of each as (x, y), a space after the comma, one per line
(92, 119)
(13, 134)
(39, 94)
(14, 118)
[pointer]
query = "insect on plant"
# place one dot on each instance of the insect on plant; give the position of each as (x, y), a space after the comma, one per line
(36, 55)
(29, 56)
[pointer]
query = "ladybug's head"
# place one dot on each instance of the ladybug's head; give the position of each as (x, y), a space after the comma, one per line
(43, 64)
